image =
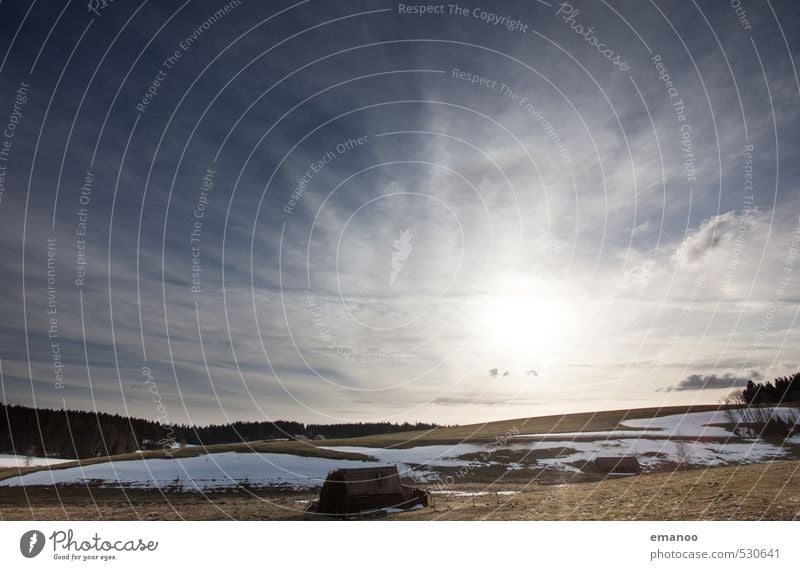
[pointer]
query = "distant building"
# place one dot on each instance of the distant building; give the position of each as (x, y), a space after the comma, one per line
(618, 464)
(348, 491)
(300, 437)
(319, 437)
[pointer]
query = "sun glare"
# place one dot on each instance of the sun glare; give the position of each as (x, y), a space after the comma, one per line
(523, 325)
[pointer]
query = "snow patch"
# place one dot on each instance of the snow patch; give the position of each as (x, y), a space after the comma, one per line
(217, 470)
(9, 460)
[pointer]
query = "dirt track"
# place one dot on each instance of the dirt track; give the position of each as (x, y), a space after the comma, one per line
(769, 492)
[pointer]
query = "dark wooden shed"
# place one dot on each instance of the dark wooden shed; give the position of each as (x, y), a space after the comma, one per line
(618, 464)
(348, 491)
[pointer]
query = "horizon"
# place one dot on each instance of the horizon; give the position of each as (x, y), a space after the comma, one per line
(358, 212)
(556, 414)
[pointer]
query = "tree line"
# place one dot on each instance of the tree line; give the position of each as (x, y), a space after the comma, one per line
(73, 433)
(783, 390)
(281, 429)
(753, 408)
(80, 434)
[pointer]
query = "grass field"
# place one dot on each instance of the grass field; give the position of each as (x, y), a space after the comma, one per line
(589, 421)
(753, 492)
(671, 490)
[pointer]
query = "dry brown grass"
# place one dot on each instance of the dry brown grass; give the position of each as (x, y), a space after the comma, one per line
(589, 421)
(753, 492)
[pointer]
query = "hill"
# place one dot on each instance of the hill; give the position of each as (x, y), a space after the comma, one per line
(483, 433)
(81, 434)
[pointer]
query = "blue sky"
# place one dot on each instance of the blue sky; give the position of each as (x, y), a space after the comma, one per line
(446, 216)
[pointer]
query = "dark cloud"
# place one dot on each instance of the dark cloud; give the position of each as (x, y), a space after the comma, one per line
(713, 382)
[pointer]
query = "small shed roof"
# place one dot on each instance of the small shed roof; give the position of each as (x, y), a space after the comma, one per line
(369, 480)
(617, 463)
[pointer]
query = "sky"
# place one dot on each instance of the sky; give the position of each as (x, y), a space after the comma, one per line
(360, 211)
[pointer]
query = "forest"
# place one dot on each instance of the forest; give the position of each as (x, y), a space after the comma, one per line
(80, 434)
(783, 390)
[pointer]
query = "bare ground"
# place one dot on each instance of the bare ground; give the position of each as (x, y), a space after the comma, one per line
(752, 492)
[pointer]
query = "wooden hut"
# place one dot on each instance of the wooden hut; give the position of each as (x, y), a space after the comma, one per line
(626, 464)
(348, 491)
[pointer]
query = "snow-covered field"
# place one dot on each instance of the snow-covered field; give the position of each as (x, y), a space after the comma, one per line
(650, 452)
(220, 470)
(648, 439)
(7, 460)
(215, 470)
(663, 439)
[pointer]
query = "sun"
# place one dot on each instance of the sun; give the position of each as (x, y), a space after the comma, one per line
(523, 326)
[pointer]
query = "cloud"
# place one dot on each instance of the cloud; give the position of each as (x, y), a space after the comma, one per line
(641, 228)
(299, 316)
(713, 382)
(712, 233)
(481, 401)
